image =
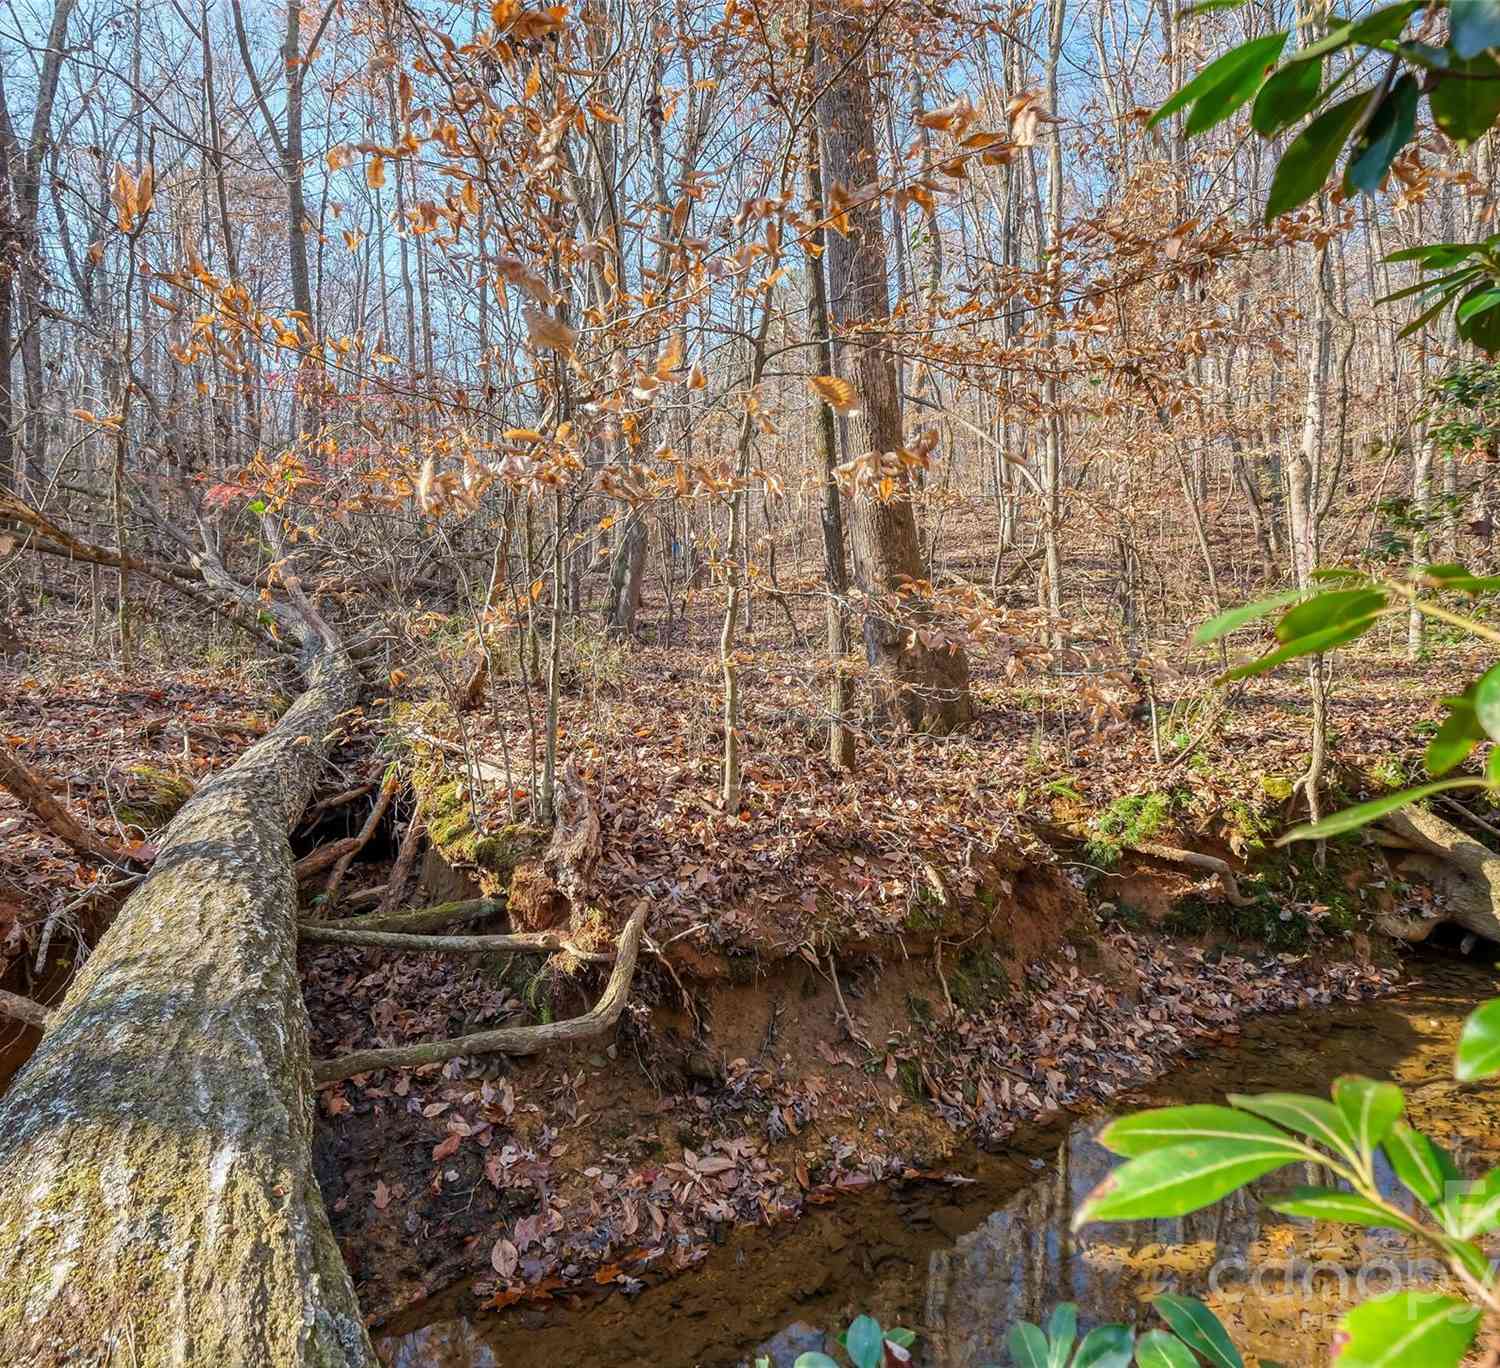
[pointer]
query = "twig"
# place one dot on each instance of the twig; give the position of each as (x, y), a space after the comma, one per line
(687, 1000)
(32, 791)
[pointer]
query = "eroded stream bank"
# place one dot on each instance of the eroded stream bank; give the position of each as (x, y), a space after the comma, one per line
(960, 1264)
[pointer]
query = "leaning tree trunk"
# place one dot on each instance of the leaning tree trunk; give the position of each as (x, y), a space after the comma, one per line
(157, 1201)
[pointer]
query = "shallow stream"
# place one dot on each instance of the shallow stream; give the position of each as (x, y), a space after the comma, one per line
(960, 1264)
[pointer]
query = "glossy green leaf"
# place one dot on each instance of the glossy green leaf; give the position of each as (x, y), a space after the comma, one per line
(1479, 1044)
(1198, 1328)
(1315, 1117)
(1183, 1178)
(1487, 702)
(1460, 578)
(1436, 256)
(1479, 320)
(1305, 165)
(1027, 1345)
(1455, 278)
(1362, 814)
(1314, 643)
(1465, 99)
(1158, 1349)
(1370, 1107)
(1445, 297)
(1290, 93)
(1331, 609)
(901, 1337)
(1256, 56)
(1406, 1330)
(1385, 24)
(1474, 1208)
(864, 1342)
(1106, 1346)
(1421, 1165)
(1334, 1204)
(1474, 25)
(814, 1359)
(1384, 136)
(1453, 741)
(1159, 1127)
(1234, 618)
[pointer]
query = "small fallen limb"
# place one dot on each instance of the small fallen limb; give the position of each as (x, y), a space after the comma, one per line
(31, 790)
(1197, 860)
(365, 897)
(382, 802)
(324, 857)
(521, 942)
(24, 1009)
(510, 1040)
(1459, 810)
(406, 857)
(418, 919)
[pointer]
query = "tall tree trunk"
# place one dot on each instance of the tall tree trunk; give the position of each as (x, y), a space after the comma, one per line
(157, 1200)
(825, 441)
(929, 687)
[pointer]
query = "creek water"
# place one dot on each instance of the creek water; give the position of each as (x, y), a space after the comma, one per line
(961, 1264)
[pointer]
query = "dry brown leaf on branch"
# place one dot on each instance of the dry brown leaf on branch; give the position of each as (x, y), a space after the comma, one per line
(838, 394)
(1025, 113)
(546, 331)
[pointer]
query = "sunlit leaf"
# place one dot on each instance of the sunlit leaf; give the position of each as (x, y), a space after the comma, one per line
(1106, 1346)
(1183, 1178)
(1158, 1349)
(1144, 1131)
(1334, 1204)
(1421, 1165)
(1479, 1044)
(1370, 1107)
(1406, 1330)
(1315, 1117)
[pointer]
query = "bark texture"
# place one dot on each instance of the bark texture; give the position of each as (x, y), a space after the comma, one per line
(1465, 872)
(929, 687)
(157, 1202)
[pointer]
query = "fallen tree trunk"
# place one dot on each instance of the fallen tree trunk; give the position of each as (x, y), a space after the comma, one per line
(1464, 873)
(157, 1201)
(413, 919)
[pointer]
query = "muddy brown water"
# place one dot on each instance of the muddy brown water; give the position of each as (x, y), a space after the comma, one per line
(959, 1264)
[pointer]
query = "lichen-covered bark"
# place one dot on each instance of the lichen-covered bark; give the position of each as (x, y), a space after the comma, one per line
(157, 1203)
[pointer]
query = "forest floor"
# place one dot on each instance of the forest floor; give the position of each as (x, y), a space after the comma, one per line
(856, 972)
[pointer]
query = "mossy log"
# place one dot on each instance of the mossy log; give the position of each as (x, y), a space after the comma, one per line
(157, 1200)
(412, 919)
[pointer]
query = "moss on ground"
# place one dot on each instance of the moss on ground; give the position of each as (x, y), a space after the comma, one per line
(152, 797)
(490, 854)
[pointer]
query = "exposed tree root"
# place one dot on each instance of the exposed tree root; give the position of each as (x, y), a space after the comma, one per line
(420, 919)
(324, 857)
(1196, 860)
(521, 942)
(511, 1040)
